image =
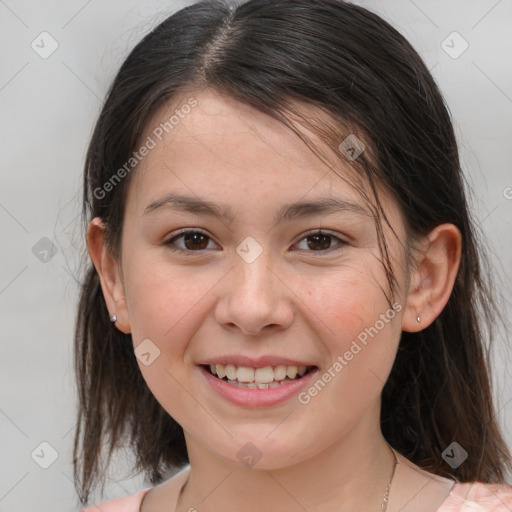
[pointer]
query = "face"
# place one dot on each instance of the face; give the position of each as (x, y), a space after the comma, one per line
(278, 272)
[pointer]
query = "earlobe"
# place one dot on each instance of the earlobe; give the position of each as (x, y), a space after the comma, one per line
(109, 274)
(433, 277)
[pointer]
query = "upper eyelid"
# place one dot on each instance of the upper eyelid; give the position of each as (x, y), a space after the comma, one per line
(320, 231)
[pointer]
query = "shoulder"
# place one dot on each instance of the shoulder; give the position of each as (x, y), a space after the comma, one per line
(167, 490)
(478, 497)
(165, 495)
(125, 504)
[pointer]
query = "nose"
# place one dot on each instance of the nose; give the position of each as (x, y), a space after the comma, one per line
(254, 299)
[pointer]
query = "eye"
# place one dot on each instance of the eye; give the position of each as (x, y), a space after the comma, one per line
(192, 240)
(319, 241)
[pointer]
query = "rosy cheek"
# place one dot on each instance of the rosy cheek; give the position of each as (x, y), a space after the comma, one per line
(166, 304)
(344, 305)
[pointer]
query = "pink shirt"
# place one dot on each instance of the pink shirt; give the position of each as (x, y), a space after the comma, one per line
(468, 497)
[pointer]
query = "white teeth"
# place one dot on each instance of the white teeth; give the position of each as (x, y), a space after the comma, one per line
(291, 372)
(244, 374)
(280, 372)
(219, 368)
(230, 371)
(257, 385)
(265, 377)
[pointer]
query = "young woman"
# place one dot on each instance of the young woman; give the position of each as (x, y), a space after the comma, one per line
(286, 299)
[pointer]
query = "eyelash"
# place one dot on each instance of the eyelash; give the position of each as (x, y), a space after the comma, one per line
(169, 243)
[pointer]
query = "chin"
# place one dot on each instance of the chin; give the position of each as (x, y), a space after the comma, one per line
(261, 452)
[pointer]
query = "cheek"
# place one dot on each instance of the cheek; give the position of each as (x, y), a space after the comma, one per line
(361, 342)
(362, 332)
(346, 301)
(166, 305)
(165, 301)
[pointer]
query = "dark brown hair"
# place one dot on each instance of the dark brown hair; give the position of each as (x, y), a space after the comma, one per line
(275, 56)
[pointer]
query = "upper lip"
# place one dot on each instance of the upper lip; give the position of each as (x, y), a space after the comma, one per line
(252, 362)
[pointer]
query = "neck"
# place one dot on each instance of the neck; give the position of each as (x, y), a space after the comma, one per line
(352, 474)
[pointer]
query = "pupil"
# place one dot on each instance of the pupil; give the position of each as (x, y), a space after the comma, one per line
(194, 239)
(323, 240)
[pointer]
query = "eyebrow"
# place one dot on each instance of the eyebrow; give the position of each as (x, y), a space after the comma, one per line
(300, 209)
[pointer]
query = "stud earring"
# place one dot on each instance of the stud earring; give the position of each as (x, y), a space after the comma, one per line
(418, 319)
(113, 319)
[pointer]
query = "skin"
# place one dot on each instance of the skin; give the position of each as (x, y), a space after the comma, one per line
(295, 300)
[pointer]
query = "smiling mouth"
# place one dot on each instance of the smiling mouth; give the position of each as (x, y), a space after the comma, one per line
(257, 378)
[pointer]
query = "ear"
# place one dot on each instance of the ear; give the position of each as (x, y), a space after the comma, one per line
(433, 277)
(108, 270)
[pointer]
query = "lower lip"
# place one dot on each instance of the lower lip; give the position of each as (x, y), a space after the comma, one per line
(257, 397)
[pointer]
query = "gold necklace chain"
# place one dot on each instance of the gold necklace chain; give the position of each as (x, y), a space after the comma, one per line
(384, 505)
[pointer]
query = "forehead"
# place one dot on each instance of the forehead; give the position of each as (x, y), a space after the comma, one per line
(211, 146)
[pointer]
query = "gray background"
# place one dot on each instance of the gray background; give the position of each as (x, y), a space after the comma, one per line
(48, 110)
